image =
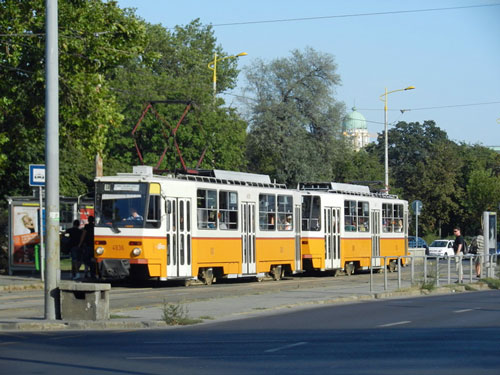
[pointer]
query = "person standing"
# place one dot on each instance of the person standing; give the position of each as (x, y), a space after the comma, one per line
(74, 234)
(458, 247)
(479, 251)
(87, 244)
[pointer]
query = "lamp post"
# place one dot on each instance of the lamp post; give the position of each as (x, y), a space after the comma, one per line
(386, 178)
(213, 66)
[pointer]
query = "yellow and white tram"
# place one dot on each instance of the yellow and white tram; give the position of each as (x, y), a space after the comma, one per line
(345, 227)
(230, 224)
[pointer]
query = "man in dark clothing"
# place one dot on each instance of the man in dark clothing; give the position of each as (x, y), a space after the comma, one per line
(87, 243)
(458, 248)
(74, 235)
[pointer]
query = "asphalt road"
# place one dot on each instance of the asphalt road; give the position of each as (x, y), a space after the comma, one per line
(447, 334)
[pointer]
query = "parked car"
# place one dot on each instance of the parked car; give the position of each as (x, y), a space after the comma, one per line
(442, 248)
(413, 243)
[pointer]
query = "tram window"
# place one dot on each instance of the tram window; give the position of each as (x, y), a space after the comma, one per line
(387, 217)
(207, 209)
(285, 212)
(228, 210)
(311, 213)
(350, 219)
(363, 217)
(398, 218)
(267, 211)
(154, 213)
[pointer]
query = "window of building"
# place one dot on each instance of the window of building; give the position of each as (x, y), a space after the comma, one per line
(267, 211)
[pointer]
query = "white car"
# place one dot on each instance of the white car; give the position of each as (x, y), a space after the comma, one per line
(442, 248)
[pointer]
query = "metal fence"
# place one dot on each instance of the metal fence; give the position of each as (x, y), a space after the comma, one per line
(430, 270)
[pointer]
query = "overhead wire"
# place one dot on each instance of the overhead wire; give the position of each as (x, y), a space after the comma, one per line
(354, 15)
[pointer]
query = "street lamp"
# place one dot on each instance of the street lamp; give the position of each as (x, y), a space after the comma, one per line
(213, 65)
(386, 179)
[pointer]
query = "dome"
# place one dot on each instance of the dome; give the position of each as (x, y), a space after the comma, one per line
(354, 121)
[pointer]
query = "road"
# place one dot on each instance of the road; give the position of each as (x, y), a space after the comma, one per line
(450, 334)
(30, 303)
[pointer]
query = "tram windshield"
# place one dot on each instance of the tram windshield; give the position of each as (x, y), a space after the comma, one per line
(120, 205)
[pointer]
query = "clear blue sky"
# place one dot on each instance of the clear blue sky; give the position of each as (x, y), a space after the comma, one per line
(452, 57)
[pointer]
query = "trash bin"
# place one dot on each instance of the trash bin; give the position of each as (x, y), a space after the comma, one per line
(84, 301)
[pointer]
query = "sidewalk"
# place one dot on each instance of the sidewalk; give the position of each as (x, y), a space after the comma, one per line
(212, 310)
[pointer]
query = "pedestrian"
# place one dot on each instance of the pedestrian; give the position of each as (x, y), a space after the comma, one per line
(478, 249)
(458, 247)
(73, 235)
(87, 244)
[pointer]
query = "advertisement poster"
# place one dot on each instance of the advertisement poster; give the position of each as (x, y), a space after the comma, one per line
(25, 235)
(492, 235)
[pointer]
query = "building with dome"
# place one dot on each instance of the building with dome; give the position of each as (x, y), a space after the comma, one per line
(354, 127)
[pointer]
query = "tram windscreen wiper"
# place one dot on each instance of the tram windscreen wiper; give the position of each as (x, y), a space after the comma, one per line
(114, 228)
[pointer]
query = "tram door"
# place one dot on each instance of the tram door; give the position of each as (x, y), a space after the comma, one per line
(179, 253)
(332, 237)
(248, 238)
(375, 224)
(298, 228)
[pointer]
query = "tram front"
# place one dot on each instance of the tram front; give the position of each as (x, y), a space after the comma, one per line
(127, 236)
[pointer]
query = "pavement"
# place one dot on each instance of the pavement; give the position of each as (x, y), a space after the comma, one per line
(211, 310)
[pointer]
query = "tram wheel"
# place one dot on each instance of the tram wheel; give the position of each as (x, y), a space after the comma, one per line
(276, 273)
(207, 276)
(392, 266)
(349, 269)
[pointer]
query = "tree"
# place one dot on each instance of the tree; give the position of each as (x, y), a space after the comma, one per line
(294, 120)
(94, 36)
(174, 68)
(424, 165)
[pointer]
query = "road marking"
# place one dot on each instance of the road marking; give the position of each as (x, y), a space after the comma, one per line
(158, 357)
(462, 311)
(395, 323)
(285, 347)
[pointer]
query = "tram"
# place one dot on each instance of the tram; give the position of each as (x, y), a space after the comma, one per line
(221, 224)
(346, 227)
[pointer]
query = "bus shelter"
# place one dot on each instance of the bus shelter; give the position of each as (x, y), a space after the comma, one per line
(26, 228)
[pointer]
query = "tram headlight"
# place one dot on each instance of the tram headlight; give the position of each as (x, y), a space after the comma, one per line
(136, 251)
(99, 250)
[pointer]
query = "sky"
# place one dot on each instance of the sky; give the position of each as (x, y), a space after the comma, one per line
(450, 56)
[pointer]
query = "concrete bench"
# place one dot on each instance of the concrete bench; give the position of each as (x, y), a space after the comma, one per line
(84, 301)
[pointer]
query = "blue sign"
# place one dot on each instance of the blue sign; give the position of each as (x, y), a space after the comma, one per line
(417, 206)
(37, 175)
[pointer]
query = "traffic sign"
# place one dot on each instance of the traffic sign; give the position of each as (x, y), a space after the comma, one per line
(37, 175)
(417, 206)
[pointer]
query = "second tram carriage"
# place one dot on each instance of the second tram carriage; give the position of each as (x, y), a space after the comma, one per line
(229, 224)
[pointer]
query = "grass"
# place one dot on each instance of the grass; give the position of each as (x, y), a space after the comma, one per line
(177, 315)
(491, 282)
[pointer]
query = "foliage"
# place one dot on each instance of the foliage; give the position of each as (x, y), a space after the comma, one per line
(174, 68)
(294, 120)
(94, 36)
(177, 314)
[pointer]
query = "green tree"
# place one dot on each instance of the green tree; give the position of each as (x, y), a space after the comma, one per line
(294, 120)
(94, 37)
(425, 165)
(174, 68)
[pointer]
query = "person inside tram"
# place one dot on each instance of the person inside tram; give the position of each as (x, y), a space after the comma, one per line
(134, 215)
(288, 223)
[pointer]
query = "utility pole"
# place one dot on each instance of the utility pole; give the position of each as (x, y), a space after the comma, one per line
(51, 161)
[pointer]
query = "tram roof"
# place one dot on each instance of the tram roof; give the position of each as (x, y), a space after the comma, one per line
(342, 188)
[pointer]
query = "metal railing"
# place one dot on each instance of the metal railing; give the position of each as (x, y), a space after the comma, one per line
(430, 269)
